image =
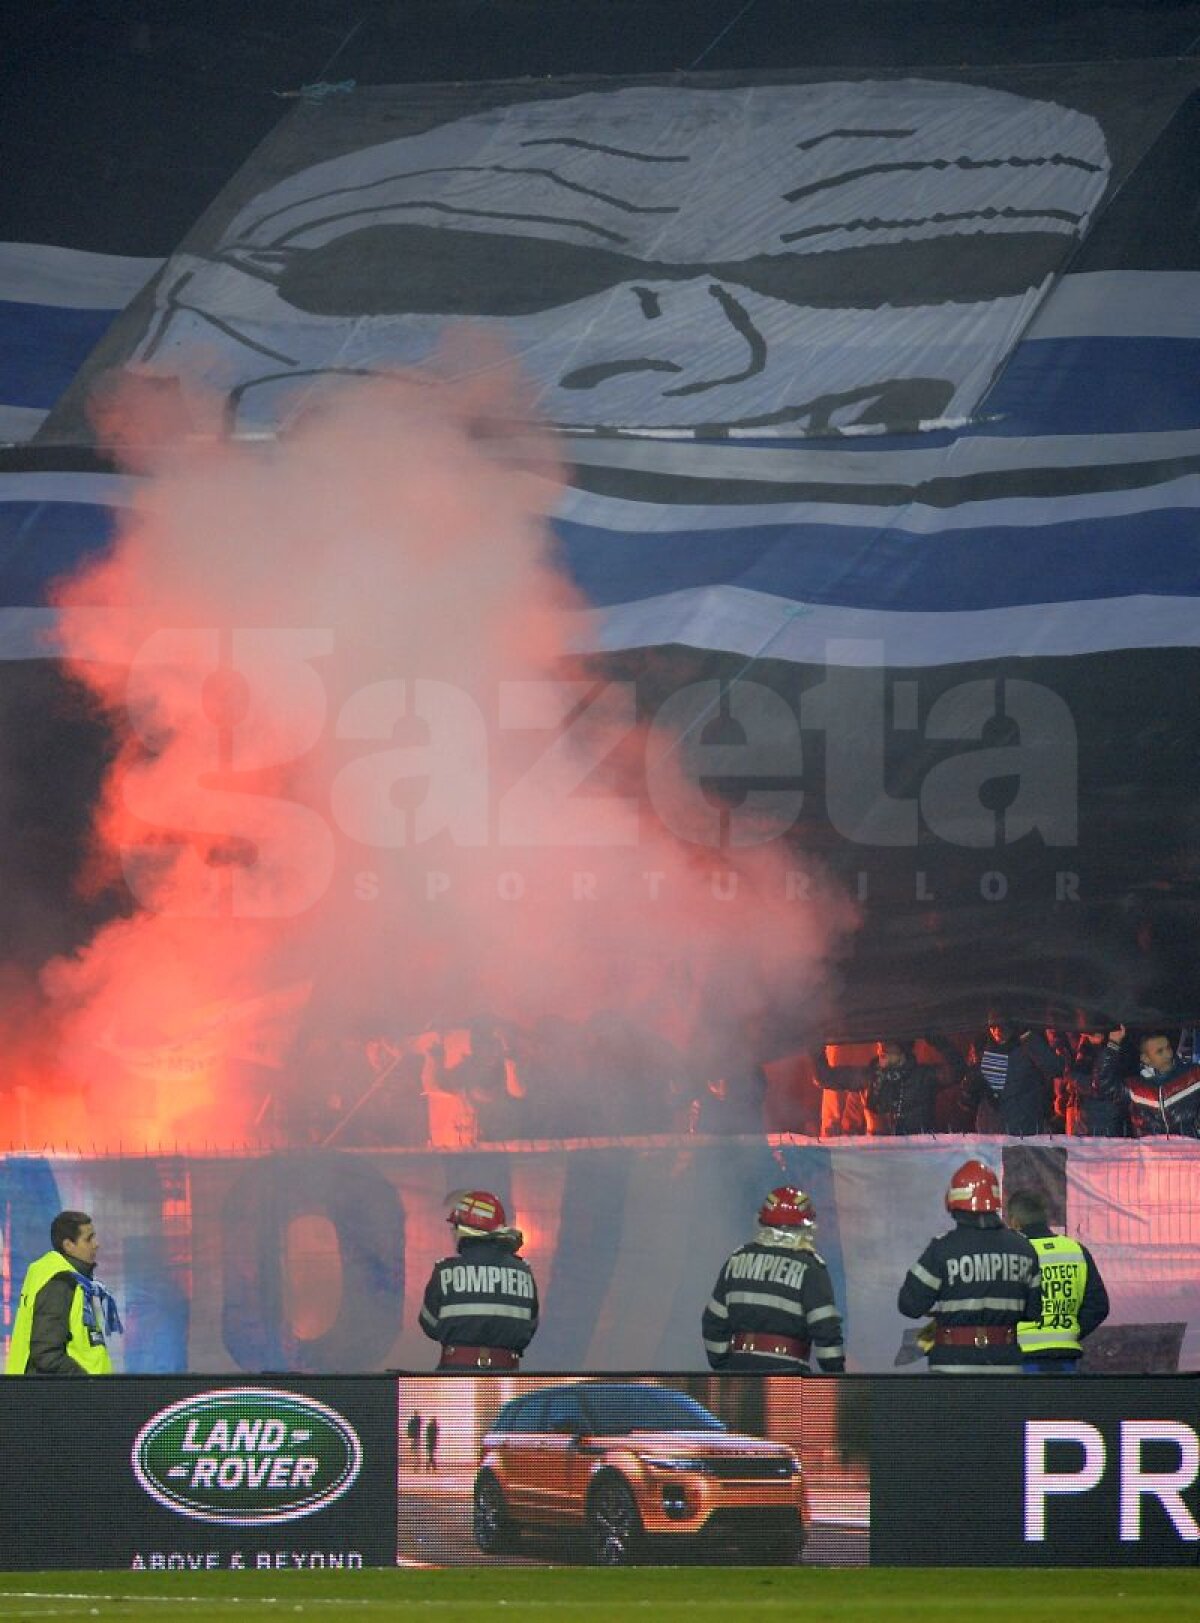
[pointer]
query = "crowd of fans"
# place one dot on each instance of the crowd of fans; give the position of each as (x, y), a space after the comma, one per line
(609, 1077)
(1103, 1083)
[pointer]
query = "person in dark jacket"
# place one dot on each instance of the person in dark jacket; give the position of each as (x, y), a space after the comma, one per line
(1011, 1085)
(898, 1092)
(772, 1306)
(414, 1431)
(65, 1315)
(978, 1282)
(432, 1432)
(1092, 1088)
(1074, 1300)
(1164, 1100)
(482, 1304)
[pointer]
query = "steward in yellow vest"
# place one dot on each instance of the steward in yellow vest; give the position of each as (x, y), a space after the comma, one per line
(64, 1315)
(1074, 1300)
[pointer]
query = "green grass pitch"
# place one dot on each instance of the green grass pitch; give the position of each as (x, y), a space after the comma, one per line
(831, 1595)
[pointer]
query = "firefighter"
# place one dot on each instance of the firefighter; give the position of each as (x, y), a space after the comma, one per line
(772, 1305)
(481, 1304)
(1074, 1300)
(978, 1282)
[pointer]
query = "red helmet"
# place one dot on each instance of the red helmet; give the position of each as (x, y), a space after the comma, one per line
(787, 1208)
(973, 1188)
(476, 1209)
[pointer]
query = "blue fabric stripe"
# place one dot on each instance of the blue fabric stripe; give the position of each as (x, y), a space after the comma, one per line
(1096, 386)
(1153, 553)
(39, 541)
(42, 346)
(593, 1205)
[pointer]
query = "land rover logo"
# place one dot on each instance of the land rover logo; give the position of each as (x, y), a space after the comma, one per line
(246, 1456)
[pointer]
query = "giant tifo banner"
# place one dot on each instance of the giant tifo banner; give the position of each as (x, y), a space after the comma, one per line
(333, 1474)
(878, 394)
(317, 1263)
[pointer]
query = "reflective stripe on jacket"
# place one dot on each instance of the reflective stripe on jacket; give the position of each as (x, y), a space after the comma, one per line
(1064, 1280)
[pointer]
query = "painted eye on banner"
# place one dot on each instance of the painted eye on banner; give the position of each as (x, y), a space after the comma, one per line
(812, 257)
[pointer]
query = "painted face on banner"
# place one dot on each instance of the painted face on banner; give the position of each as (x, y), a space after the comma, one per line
(803, 258)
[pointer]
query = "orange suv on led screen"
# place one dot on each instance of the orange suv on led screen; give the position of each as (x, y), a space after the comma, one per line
(627, 1464)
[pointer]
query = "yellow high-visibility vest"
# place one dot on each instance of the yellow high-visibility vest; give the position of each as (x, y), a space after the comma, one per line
(1064, 1279)
(85, 1346)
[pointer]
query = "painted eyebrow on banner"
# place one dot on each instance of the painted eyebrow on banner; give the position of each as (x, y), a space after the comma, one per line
(281, 232)
(432, 270)
(533, 171)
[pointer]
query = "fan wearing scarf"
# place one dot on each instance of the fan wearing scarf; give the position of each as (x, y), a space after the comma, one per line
(65, 1314)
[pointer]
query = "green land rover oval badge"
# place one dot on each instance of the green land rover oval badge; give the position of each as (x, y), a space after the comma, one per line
(246, 1456)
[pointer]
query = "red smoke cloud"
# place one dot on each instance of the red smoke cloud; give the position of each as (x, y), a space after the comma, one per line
(359, 781)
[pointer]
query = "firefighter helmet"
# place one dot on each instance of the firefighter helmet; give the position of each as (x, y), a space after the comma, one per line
(973, 1188)
(477, 1212)
(787, 1208)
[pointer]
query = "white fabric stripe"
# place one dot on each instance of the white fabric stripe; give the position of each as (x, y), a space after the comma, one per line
(717, 1308)
(830, 1349)
(785, 1304)
(717, 1347)
(35, 273)
(32, 633)
(819, 1314)
(655, 517)
(926, 1278)
(774, 466)
(982, 1304)
(27, 634)
(786, 464)
(426, 1317)
(20, 423)
(757, 624)
(1121, 304)
(101, 489)
(909, 518)
(485, 1310)
(732, 620)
